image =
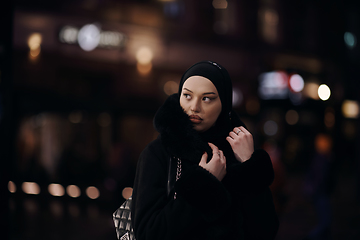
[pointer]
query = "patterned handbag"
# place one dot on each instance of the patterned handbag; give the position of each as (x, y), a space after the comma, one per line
(122, 221)
(122, 216)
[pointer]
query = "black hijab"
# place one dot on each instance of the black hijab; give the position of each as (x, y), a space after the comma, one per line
(227, 120)
(176, 130)
(218, 75)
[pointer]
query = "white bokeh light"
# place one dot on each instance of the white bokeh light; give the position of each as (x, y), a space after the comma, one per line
(296, 83)
(89, 37)
(144, 55)
(324, 92)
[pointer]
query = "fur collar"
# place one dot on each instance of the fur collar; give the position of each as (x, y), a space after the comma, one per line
(177, 133)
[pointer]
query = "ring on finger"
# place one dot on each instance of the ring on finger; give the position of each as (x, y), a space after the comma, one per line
(218, 154)
(238, 131)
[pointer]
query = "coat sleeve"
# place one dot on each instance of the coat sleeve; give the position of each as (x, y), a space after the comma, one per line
(260, 219)
(249, 183)
(155, 216)
(251, 177)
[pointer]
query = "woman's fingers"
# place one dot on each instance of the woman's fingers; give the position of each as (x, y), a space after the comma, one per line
(244, 130)
(222, 157)
(216, 152)
(241, 142)
(238, 131)
(217, 165)
(203, 159)
(214, 148)
(233, 135)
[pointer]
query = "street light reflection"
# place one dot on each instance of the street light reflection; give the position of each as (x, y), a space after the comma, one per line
(92, 192)
(30, 188)
(73, 191)
(127, 192)
(56, 190)
(12, 187)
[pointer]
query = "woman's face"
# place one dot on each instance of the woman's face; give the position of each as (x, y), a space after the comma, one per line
(200, 100)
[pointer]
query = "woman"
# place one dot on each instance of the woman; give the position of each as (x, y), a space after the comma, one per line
(223, 191)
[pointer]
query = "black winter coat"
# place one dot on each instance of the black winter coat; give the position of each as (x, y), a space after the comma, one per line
(239, 207)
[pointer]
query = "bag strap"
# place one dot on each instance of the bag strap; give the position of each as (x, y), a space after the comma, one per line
(169, 187)
(174, 163)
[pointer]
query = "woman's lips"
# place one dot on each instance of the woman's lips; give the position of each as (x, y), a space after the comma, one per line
(195, 119)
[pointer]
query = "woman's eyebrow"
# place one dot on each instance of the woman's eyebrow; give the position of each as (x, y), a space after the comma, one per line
(188, 90)
(206, 93)
(209, 93)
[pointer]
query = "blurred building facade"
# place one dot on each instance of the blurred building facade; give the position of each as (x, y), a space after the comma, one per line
(89, 75)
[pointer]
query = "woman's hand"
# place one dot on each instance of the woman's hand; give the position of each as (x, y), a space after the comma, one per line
(242, 143)
(217, 165)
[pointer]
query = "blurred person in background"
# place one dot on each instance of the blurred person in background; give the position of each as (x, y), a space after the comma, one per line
(319, 184)
(223, 190)
(278, 187)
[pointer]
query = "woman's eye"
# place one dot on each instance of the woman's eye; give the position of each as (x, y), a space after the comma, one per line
(207, 99)
(187, 96)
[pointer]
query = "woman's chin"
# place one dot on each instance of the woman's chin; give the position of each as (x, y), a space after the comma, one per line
(200, 128)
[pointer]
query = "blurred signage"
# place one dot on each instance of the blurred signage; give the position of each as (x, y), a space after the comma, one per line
(90, 36)
(273, 85)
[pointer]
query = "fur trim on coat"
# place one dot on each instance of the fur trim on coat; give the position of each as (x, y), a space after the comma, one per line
(177, 133)
(182, 141)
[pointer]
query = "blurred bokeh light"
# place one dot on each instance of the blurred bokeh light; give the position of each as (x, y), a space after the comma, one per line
(92, 192)
(12, 187)
(350, 109)
(56, 190)
(220, 4)
(73, 191)
(270, 128)
(127, 192)
(292, 117)
(350, 40)
(324, 92)
(30, 188)
(171, 87)
(238, 97)
(296, 83)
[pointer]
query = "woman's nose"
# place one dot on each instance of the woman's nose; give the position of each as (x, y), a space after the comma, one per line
(195, 106)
